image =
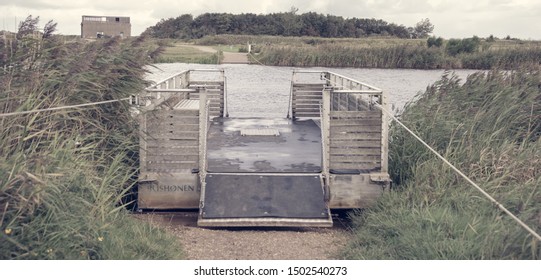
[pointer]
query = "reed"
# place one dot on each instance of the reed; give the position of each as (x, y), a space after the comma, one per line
(490, 128)
(350, 55)
(64, 174)
(379, 53)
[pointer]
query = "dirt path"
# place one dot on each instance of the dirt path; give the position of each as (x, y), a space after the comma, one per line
(252, 243)
(235, 58)
(201, 48)
(229, 57)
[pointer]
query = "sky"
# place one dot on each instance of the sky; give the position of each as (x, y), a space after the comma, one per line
(451, 18)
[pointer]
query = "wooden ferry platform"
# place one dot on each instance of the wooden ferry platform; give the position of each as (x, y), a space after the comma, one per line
(331, 153)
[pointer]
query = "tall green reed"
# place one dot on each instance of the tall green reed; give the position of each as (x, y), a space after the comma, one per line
(490, 128)
(64, 174)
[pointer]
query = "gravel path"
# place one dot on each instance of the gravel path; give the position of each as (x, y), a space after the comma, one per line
(252, 243)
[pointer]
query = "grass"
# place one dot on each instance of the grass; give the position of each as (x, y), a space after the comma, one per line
(490, 128)
(179, 52)
(65, 175)
(371, 52)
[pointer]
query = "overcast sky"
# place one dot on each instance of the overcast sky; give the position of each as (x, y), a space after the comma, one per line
(451, 18)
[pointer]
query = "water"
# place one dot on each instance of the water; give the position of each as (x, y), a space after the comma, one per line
(263, 91)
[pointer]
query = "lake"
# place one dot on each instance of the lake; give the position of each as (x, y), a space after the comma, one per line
(263, 91)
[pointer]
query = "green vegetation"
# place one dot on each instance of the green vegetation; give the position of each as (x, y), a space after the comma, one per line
(65, 175)
(282, 24)
(174, 51)
(490, 128)
(373, 52)
(434, 53)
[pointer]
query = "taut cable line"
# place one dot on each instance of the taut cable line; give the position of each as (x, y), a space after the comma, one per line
(63, 107)
(488, 196)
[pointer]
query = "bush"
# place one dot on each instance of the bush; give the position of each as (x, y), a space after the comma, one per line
(434, 42)
(457, 46)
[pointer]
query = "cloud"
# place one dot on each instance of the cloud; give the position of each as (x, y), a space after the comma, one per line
(452, 18)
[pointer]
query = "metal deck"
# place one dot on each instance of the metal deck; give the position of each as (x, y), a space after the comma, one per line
(295, 148)
(264, 200)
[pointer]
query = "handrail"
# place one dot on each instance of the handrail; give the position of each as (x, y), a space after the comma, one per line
(181, 73)
(337, 75)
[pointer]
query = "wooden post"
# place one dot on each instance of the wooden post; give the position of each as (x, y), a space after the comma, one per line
(203, 119)
(384, 135)
(326, 131)
(185, 79)
(143, 134)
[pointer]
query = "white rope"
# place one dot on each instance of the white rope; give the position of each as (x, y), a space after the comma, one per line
(521, 223)
(63, 107)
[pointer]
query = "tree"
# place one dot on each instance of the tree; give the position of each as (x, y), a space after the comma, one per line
(422, 29)
(434, 42)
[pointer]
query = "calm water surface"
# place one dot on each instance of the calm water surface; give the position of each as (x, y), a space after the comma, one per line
(263, 91)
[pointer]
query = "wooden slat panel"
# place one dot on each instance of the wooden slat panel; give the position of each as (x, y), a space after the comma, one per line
(173, 126)
(166, 137)
(158, 150)
(172, 158)
(307, 92)
(354, 122)
(159, 142)
(356, 136)
(306, 101)
(356, 114)
(171, 113)
(306, 110)
(183, 120)
(206, 82)
(306, 115)
(354, 166)
(355, 143)
(355, 159)
(306, 97)
(358, 129)
(309, 84)
(155, 166)
(175, 134)
(311, 107)
(376, 151)
(160, 117)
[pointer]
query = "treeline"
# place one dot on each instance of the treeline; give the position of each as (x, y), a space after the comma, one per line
(283, 24)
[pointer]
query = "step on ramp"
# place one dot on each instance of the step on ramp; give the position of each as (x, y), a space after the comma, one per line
(243, 200)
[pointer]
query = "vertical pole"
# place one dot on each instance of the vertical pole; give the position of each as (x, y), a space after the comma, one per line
(203, 119)
(326, 131)
(384, 135)
(143, 134)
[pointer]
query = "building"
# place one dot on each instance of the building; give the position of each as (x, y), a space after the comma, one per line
(103, 26)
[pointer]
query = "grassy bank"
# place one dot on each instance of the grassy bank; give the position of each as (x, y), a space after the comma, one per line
(64, 174)
(172, 51)
(490, 128)
(370, 52)
(395, 55)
